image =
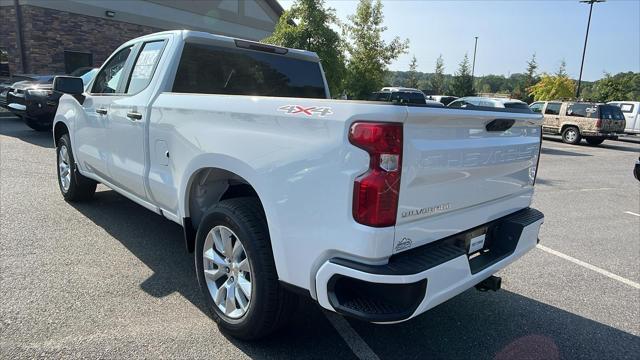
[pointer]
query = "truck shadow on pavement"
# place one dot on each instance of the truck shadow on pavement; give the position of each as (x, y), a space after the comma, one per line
(502, 325)
(549, 151)
(15, 127)
(625, 146)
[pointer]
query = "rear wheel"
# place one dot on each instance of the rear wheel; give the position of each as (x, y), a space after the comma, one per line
(37, 125)
(73, 186)
(236, 270)
(595, 140)
(571, 135)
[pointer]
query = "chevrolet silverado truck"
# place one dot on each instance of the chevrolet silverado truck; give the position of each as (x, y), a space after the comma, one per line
(378, 211)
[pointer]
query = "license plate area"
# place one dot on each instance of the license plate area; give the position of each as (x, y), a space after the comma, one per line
(474, 241)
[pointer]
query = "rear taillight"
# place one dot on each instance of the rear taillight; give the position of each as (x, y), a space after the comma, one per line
(599, 123)
(376, 192)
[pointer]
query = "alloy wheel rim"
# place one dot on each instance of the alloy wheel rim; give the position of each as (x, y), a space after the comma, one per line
(227, 272)
(571, 135)
(64, 168)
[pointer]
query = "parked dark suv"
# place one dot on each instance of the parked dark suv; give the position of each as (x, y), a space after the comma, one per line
(403, 96)
(35, 101)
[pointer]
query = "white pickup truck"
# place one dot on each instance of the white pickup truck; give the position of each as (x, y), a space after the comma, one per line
(376, 211)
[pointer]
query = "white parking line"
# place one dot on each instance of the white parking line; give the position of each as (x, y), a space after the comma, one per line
(590, 267)
(351, 337)
(631, 213)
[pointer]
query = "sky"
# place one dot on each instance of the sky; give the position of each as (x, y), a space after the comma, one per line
(509, 32)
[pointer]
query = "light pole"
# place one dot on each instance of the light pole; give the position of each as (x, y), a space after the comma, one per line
(473, 66)
(584, 50)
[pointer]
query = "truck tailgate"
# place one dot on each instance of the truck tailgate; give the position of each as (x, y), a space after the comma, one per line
(452, 163)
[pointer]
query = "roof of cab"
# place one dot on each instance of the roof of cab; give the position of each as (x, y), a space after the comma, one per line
(201, 36)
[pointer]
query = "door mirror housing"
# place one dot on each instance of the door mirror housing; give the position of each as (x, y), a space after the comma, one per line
(68, 85)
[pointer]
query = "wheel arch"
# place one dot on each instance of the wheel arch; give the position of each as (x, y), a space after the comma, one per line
(59, 129)
(570, 124)
(210, 185)
(210, 178)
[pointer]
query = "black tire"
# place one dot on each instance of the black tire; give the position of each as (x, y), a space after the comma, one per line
(37, 125)
(571, 135)
(80, 188)
(594, 140)
(271, 305)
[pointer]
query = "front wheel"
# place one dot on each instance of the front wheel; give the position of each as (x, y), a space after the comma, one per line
(595, 140)
(73, 186)
(571, 135)
(236, 270)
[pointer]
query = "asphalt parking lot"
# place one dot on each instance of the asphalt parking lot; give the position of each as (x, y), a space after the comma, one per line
(110, 279)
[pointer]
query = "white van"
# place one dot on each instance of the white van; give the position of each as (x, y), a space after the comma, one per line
(630, 111)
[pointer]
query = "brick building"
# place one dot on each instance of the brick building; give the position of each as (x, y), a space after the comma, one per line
(58, 36)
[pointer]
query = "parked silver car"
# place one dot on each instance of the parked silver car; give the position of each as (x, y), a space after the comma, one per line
(471, 102)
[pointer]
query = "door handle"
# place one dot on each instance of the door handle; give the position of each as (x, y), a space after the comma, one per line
(101, 111)
(134, 115)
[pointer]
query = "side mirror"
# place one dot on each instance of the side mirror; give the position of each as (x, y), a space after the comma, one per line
(68, 84)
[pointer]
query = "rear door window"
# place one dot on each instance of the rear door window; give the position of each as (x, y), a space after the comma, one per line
(144, 66)
(210, 69)
(553, 109)
(582, 110)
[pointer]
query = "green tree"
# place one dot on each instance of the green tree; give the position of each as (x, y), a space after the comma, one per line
(562, 69)
(462, 84)
(412, 82)
(622, 86)
(307, 25)
(552, 87)
(369, 55)
(530, 79)
(437, 82)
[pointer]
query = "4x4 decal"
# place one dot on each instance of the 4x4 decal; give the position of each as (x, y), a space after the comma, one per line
(309, 111)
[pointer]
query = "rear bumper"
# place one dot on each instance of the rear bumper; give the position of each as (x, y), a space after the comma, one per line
(604, 135)
(415, 281)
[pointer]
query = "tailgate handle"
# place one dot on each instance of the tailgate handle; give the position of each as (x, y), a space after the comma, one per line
(500, 125)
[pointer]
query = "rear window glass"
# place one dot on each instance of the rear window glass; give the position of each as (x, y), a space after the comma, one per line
(211, 69)
(553, 108)
(582, 110)
(408, 97)
(608, 112)
(516, 105)
(379, 96)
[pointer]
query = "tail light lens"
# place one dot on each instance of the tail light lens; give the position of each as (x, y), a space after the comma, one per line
(599, 123)
(376, 192)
